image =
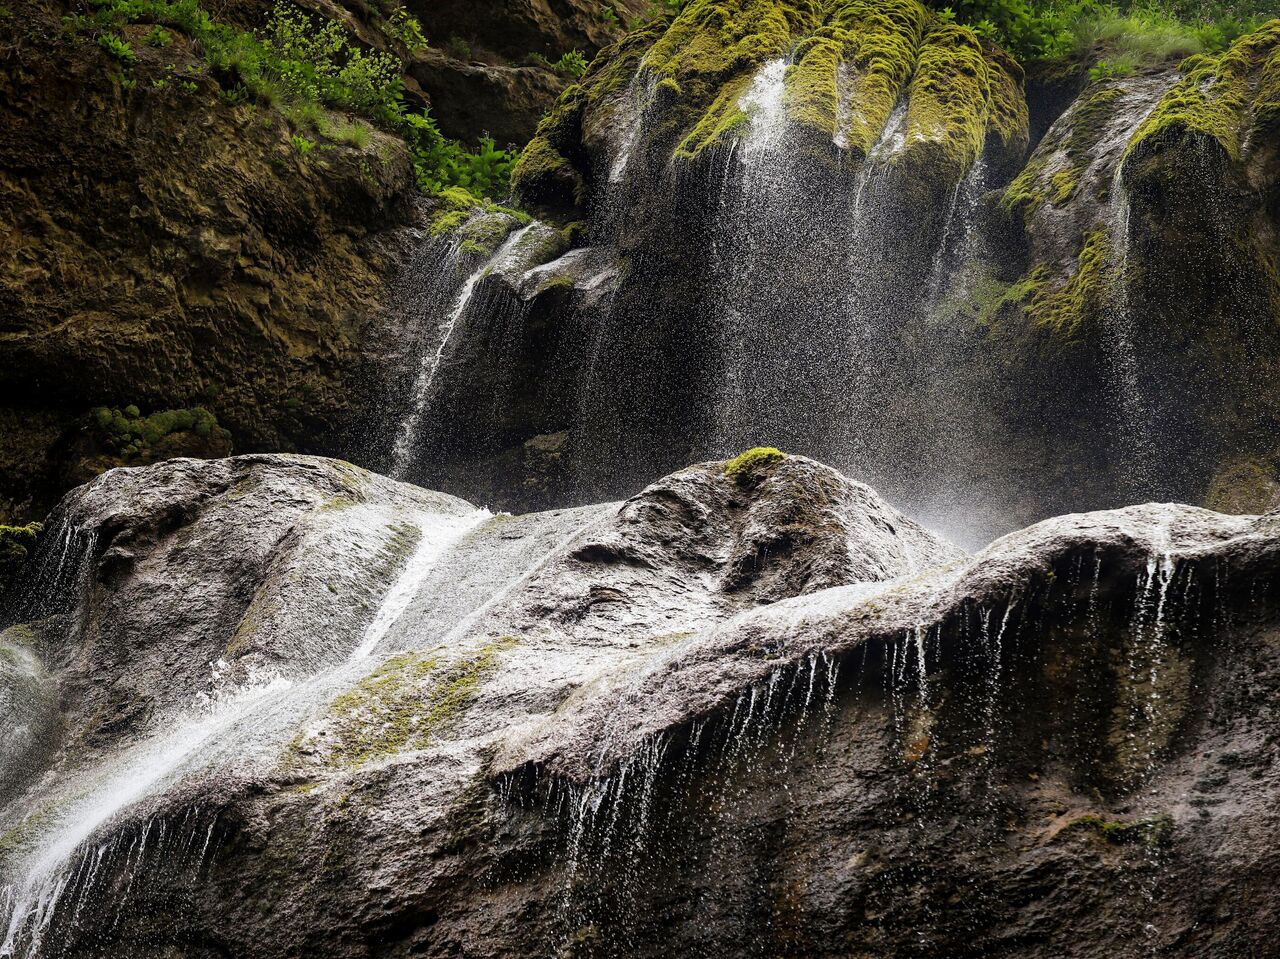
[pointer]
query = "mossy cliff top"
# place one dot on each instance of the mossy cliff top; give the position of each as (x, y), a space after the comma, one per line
(849, 64)
(1231, 99)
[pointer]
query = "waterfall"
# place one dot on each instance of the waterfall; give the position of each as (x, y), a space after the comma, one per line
(409, 433)
(1135, 417)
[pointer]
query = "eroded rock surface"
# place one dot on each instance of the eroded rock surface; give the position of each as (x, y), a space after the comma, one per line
(752, 710)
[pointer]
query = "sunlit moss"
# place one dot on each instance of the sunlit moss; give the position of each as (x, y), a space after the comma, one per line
(1220, 97)
(747, 464)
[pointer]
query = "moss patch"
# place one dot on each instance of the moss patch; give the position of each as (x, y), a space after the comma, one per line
(1067, 309)
(403, 704)
(1153, 831)
(1220, 98)
(748, 464)
(16, 546)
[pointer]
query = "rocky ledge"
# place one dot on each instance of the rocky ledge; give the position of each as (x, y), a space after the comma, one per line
(276, 705)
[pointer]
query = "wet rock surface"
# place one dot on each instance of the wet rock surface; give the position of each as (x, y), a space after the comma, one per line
(753, 710)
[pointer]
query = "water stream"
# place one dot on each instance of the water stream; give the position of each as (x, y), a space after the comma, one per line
(408, 436)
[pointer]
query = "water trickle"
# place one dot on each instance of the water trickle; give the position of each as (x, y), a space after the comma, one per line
(436, 534)
(637, 102)
(1132, 406)
(408, 435)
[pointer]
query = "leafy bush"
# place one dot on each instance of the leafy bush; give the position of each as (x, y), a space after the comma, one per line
(117, 47)
(1129, 33)
(572, 64)
(302, 144)
(300, 64)
(458, 48)
(403, 26)
(158, 37)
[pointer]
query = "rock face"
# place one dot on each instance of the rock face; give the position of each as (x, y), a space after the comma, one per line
(857, 231)
(753, 710)
(171, 248)
(168, 250)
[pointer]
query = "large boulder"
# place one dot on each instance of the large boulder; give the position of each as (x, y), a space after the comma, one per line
(751, 710)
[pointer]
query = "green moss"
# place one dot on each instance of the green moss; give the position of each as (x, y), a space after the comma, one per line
(132, 436)
(403, 703)
(745, 465)
(1245, 486)
(1068, 308)
(480, 235)
(16, 544)
(1090, 115)
(1153, 831)
(947, 108)
(552, 169)
(1219, 98)
(712, 51)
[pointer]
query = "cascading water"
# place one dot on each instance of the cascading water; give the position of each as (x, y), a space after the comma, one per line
(62, 863)
(408, 436)
(1134, 414)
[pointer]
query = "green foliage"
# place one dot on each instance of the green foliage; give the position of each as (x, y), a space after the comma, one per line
(1110, 70)
(302, 144)
(158, 37)
(1129, 33)
(16, 544)
(403, 26)
(118, 48)
(301, 65)
(610, 17)
(572, 64)
(458, 48)
(131, 435)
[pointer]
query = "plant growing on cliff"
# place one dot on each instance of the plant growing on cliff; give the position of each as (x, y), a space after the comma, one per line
(572, 64)
(403, 26)
(117, 48)
(301, 64)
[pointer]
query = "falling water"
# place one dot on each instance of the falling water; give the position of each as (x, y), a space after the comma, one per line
(33, 900)
(407, 436)
(1134, 410)
(72, 852)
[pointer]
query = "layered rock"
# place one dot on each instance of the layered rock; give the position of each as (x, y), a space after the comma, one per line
(751, 710)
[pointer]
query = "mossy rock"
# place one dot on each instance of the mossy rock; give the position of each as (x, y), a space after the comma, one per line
(1245, 486)
(1222, 99)
(17, 544)
(1150, 832)
(749, 465)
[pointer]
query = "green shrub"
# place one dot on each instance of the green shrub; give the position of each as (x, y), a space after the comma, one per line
(302, 144)
(403, 26)
(1128, 33)
(572, 64)
(158, 37)
(117, 48)
(300, 64)
(1110, 70)
(458, 48)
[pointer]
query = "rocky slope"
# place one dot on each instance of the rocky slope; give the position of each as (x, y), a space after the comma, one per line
(847, 227)
(279, 706)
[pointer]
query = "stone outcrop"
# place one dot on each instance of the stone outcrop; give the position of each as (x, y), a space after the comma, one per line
(752, 710)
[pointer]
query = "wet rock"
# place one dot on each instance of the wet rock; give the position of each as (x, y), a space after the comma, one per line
(745, 711)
